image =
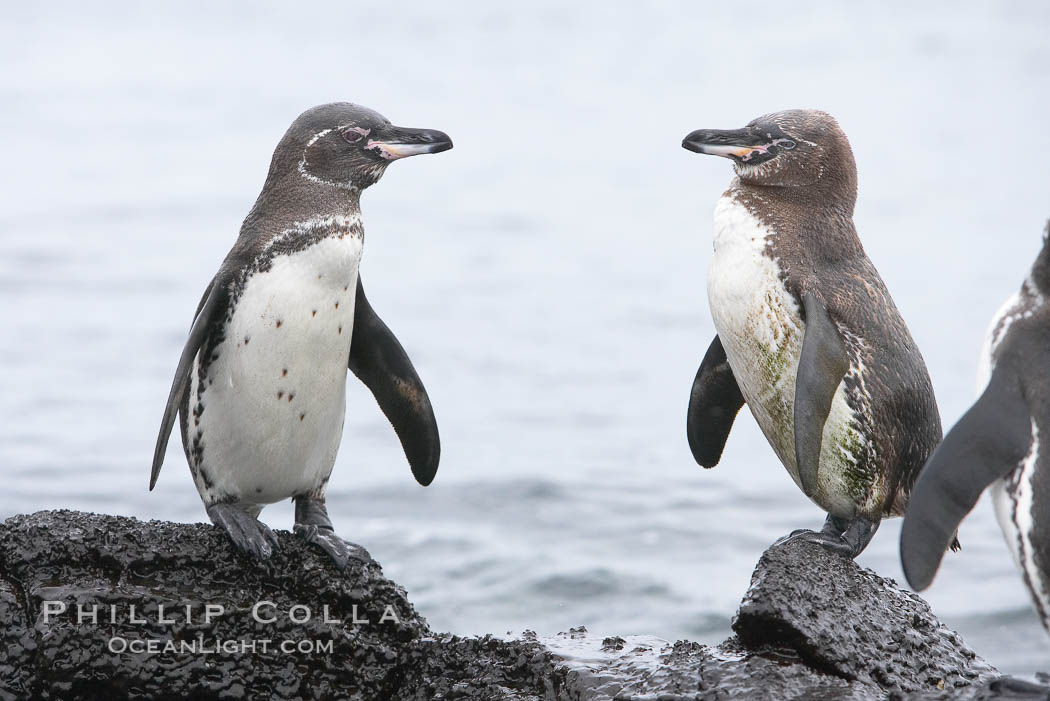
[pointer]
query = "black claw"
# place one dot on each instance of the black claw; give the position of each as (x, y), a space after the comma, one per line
(846, 538)
(341, 551)
(797, 534)
(313, 525)
(247, 533)
(835, 544)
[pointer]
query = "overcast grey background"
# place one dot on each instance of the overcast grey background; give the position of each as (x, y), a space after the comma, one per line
(547, 275)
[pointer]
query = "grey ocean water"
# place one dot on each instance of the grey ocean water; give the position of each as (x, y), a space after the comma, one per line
(547, 275)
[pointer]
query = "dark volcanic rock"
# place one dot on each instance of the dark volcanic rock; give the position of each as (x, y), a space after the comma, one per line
(89, 561)
(17, 644)
(813, 626)
(1002, 689)
(650, 668)
(852, 623)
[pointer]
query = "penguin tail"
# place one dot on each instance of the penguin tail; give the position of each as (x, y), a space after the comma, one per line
(956, 546)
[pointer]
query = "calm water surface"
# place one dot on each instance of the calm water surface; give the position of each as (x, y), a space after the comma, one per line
(547, 275)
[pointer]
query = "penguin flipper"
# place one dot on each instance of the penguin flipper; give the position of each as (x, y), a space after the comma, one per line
(822, 365)
(987, 443)
(378, 360)
(213, 301)
(713, 405)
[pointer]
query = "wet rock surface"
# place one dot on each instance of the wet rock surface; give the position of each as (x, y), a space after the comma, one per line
(812, 626)
(852, 623)
(1002, 689)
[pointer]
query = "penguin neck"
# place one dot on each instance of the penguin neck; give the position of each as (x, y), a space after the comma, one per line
(329, 201)
(296, 201)
(819, 198)
(802, 218)
(346, 203)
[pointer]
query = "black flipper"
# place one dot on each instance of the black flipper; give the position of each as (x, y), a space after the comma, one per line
(213, 302)
(821, 367)
(713, 405)
(989, 441)
(381, 363)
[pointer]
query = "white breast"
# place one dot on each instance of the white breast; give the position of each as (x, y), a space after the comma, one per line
(761, 329)
(1007, 314)
(1020, 305)
(1012, 496)
(275, 396)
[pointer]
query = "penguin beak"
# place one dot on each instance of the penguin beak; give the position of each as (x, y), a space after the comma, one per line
(393, 143)
(738, 144)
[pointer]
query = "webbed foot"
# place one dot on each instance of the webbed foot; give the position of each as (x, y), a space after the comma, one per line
(844, 537)
(249, 535)
(313, 525)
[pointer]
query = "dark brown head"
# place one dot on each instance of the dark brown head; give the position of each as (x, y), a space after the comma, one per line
(789, 149)
(348, 146)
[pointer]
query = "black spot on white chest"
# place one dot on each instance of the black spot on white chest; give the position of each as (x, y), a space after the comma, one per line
(270, 395)
(293, 321)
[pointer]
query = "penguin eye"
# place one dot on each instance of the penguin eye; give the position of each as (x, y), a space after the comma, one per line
(786, 144)
(353, 134)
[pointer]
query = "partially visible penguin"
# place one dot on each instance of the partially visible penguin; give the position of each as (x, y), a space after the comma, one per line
(261, 384)
(808, 336)
(1001, 443)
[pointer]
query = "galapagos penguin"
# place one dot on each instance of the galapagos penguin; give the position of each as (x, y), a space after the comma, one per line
(260, 387)
(807, 334)
(999, 443)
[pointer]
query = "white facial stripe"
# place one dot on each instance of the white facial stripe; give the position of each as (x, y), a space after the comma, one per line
(310, 176)
(302, 161)
(318, 135)
(392, 152)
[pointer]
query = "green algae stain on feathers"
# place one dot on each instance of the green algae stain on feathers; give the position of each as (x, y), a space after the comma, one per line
(763, 346)
(778, 356)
